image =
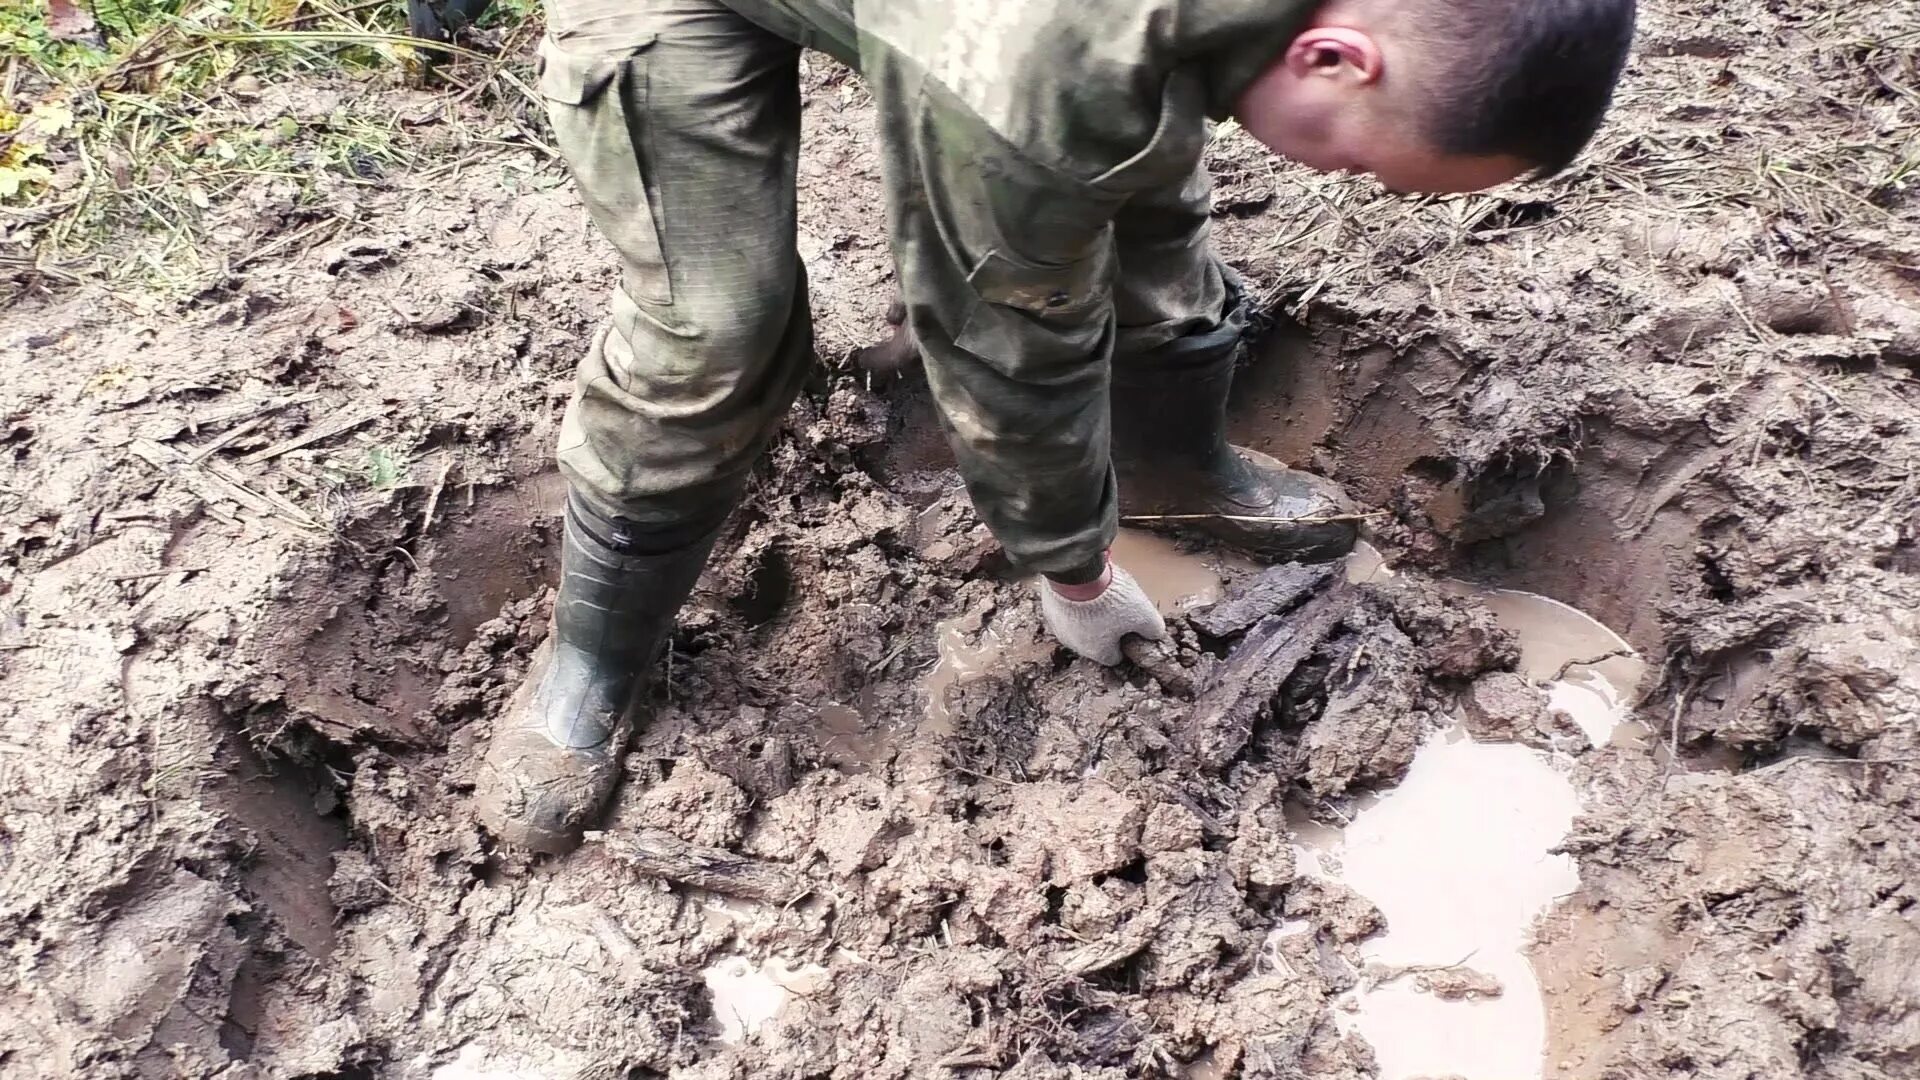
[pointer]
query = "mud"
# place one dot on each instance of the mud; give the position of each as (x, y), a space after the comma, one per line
(245, 680)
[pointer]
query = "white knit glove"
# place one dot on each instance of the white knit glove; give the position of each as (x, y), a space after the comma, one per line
(1094, 628)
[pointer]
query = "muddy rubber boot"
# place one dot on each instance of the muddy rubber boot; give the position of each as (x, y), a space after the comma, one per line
(554, 759)
(439, 20)
(1171, 454)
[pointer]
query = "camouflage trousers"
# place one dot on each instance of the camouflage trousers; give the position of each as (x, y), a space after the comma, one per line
(680, 120)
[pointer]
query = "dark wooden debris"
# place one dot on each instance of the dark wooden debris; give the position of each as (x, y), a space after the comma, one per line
(1222, 718)
(1277, 590)
(661, 854)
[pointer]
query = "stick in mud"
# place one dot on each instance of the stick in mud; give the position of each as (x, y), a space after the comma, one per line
(663, 855)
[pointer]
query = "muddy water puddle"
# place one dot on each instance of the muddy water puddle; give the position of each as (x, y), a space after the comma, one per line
(960, 661)
(1177, 581)
(1589, 671)
(848, 741)
(747, 995)
(1457, 857)
(855, 739)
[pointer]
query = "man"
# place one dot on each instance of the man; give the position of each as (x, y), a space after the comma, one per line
(1049, 224)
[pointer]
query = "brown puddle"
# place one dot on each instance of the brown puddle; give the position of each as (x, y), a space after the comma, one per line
(1176, 580)
(958, 663)
(746, 995)
(1458, 858)
(847, 742)
(1554, 640)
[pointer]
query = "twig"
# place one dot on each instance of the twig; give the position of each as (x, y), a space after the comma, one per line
(275, 503)
(212, 481)
(232, 435)
(982, 776)
(508, 50)
(433, 499)
(657, 853)
(1258, 518)
(162, 572)
(389, 890)
(890, 657)
(1589, 662)
(286, 241)
(339, 424)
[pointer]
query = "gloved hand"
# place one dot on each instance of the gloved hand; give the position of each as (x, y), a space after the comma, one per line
(1094, 627)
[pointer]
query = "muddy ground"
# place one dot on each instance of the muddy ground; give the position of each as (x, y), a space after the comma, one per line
(275, 555)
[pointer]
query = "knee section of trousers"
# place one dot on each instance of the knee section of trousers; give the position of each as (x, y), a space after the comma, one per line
(1213, 350)
(634, 536)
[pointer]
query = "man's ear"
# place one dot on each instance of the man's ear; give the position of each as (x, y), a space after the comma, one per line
(1336, 52)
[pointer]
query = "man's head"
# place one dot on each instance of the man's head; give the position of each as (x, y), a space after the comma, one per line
(1442, 95)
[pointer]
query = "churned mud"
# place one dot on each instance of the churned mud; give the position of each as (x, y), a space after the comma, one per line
(272, 558)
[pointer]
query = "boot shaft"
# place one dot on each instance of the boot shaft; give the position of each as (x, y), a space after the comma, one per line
(613, 614)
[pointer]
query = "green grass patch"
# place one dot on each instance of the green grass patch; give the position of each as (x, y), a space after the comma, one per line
(132, 127)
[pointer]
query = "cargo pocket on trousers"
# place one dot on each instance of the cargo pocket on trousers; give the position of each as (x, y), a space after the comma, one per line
(597, 107)
(1031, 316)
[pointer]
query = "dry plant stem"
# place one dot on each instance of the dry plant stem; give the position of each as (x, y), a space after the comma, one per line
(321, 37)
(335, 425)
(433, 500)
(285, 242)
(660, 854)
(1589, 662)
(1268, 519)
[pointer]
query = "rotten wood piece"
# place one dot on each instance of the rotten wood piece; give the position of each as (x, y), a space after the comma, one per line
(1277, 590)
(658, 853)
(1221, 721)
(1161, 663)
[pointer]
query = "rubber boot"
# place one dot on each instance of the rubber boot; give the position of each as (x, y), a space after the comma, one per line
(439, 20)
(554, 759)
(1173, 461)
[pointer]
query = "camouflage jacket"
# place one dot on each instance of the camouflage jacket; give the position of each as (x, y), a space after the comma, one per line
(1113, 93)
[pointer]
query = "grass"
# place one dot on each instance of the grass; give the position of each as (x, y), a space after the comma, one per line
(124, 152)
(386, 467)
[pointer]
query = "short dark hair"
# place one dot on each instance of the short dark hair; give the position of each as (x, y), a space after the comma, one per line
(1529, 79)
